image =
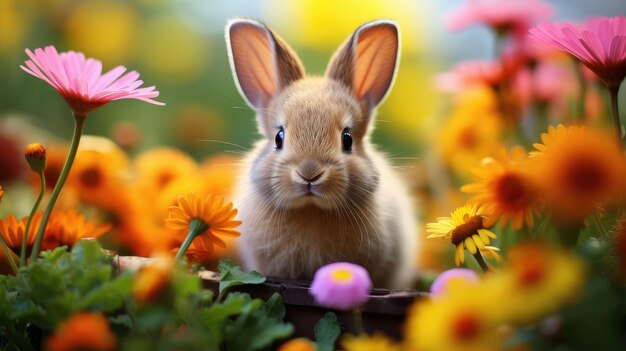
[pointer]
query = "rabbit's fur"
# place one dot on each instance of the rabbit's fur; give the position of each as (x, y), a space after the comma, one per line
(312, 201)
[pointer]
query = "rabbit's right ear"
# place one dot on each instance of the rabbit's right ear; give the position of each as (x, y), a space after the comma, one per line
(262, 63)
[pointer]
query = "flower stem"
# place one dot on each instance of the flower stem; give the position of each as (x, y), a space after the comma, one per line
(196, 226)
(79, 122)
(481, 261)
(42, 191)
(9, 255)
(358, 321)
(613, 91)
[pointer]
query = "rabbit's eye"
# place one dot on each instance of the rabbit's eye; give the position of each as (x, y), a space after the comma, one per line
(346, 140)
(280, 137)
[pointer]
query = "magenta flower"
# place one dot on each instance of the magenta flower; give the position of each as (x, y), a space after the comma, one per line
(599, 44)
(341, 285)
(444, 280)
(502, 15)
(80, 80)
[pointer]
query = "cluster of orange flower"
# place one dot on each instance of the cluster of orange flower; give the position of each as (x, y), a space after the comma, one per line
(133, 197)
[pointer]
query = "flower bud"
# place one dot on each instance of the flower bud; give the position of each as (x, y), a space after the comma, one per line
(36, 157)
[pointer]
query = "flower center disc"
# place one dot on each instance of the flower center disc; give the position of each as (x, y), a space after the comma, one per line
(467, 229)
(341, 275)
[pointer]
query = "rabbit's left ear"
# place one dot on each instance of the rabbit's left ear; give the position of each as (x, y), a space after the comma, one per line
(368, 61)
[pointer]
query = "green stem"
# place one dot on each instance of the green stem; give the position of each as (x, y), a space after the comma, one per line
(481, 261)
(79, 122)
(358, 321)
(582, 98)
(42, 191)
(9, 253)
(613, 91)
(196, 226)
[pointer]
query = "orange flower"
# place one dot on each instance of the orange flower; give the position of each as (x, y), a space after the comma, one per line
(36, 157)
(153, 279)
(12, 231)
(209, 217)
(156, 168)
(506, 189)
(580, 169)
(83, 331)
(98, 169)
(68, 227)
(1, 192)
(299, 344)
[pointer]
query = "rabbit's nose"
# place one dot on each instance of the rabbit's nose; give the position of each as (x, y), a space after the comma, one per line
(310, 171)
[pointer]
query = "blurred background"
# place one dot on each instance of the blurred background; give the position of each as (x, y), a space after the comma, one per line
(178, 45)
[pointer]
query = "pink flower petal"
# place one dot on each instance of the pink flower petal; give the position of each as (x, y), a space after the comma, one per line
(80, 80)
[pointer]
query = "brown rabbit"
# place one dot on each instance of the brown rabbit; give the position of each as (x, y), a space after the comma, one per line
(314, 190)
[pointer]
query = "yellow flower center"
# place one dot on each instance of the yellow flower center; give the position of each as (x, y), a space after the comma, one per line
(341, 276)
(467, 229)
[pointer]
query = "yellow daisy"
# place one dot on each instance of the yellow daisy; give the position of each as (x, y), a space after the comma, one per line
(473, 130)
(466, 230)
(204, 219)
(463, 319)
(374, 342)
(580, 169)
(506, 188)
(538, 281)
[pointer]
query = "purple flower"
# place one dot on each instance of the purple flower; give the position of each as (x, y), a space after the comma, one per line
(341, 285)
(442, 283)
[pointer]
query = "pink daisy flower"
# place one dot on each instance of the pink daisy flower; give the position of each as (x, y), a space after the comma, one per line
(341, 285)
(80, 80)
(599, 43)
(502, 15)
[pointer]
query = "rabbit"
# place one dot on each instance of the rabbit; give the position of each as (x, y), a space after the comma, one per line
(314, 190)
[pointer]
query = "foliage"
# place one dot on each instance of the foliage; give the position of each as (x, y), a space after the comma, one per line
(186, 316)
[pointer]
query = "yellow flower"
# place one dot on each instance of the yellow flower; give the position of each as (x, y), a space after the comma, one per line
(463, 319)
(153, 279)
(88, 29)
(210, 215)
(299, 344)
(538, 281)
(506, 189)
(156, 168)
(579, 168)
(472, 131)
(83, 331)
(374, 342)
(465, 229)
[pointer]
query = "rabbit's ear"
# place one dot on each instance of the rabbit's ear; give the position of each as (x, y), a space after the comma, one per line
(262, 63)
(367, 62)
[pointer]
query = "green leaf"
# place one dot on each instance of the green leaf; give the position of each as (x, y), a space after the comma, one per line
(274, 307)
(231, 275)
(327, 331)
